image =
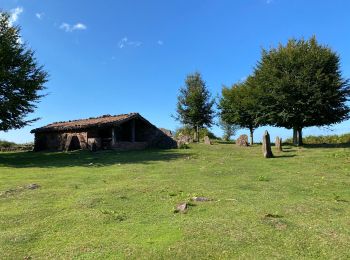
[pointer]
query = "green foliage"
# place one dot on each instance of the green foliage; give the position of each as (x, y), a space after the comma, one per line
(21, 78)
(183, 146)
(239, 106)
(263, 178)
(189, 131)
(195, 106)
(324, 139)
(7, 144)
(302, 86)
(228, 129)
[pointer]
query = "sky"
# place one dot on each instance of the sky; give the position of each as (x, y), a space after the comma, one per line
(115, 57)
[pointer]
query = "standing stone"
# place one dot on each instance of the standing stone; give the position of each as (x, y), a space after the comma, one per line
(207, 140)
(278, 144)
(195, 137)
(242, 140)
(266, 147)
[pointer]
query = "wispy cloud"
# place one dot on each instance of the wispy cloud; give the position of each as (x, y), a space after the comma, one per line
(14, 14)
(160, 42)
(126, 42)
(269, 1)
(70, 28)
(39, 15)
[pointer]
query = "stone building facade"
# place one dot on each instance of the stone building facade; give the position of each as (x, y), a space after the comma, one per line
(123, 132)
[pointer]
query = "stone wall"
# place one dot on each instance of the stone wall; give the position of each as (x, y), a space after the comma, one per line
(57, 141)
(145, 136)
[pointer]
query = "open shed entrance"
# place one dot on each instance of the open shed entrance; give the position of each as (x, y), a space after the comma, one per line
(74, 143)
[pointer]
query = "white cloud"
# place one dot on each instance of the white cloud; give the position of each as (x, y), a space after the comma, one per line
(269, 1)
(125, 42)
(14, 14)
(79, 26)
(39, 15)
(70, 28)
(160, 42)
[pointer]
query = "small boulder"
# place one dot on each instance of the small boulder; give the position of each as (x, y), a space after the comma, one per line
(33, 186)
(181, 208)
(242, 140)
(200, 199)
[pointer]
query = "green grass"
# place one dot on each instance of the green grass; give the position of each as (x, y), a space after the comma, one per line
(121, 204)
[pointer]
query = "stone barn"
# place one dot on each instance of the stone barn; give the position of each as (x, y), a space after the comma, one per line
(123, 132)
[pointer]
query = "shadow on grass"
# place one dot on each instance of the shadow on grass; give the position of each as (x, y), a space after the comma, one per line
(344, 145)
(86, 158)
(223, 142)
(284, 155)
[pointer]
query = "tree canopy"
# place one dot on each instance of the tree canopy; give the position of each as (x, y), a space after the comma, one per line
(239, 106)
(195, 105)
(21, 78)
(228, 129)
(301, 85)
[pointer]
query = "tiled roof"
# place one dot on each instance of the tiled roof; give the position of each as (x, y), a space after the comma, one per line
(87, 123)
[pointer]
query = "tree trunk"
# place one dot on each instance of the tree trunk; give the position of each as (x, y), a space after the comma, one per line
(197, 130)
(295, 136)
(300, 136)
(251, 135)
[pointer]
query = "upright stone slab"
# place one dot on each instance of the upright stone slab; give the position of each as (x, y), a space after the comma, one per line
(278, 144)
(266, 147)
(207, 140)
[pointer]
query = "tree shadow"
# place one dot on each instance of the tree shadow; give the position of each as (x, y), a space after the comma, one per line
(284, 155)
(87, 158)
(222, 142)
(342, 145)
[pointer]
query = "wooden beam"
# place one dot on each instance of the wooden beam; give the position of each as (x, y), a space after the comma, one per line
(113, 136)
(133, 130)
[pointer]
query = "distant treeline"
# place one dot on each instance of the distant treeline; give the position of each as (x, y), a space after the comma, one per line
(11, 146)
(324, 139)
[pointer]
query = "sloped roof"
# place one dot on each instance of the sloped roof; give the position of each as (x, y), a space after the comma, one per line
(88, 123)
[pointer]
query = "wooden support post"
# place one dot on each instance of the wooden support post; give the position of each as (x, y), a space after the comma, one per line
(113, 136)
(133, 130)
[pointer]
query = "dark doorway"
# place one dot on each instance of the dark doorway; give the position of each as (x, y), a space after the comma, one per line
(74, 144)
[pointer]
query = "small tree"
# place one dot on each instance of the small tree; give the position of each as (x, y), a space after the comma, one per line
(21, 78)
(239, 106)
(195, 106)
(302, 86)
(229, 129)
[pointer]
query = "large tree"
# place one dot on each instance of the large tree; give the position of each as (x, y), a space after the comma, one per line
(195, 105)
(239, 106)
(21, 78)
(302, 86)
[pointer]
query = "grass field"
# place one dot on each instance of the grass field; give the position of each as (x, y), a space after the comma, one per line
(121, 204)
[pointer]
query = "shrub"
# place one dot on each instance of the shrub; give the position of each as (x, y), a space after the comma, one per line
(324, 139)
(7, 144)
(190, 132)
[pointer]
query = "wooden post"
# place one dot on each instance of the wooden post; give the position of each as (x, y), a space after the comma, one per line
(133, 130)
(113, 136)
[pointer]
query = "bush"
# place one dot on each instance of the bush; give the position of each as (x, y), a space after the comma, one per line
(190, 132)
(11, 146)
(7, 144)
(324, 139)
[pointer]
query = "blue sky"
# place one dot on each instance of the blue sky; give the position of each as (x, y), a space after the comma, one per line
(113, 57)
